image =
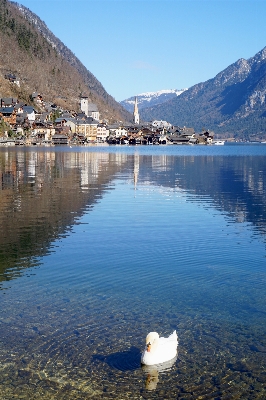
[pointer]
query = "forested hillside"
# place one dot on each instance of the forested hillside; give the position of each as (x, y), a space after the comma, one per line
(42, 63)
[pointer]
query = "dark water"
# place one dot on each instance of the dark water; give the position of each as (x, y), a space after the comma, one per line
(100, 245)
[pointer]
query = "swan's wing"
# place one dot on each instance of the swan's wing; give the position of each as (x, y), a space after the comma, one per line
(173, 336)
(170, 338)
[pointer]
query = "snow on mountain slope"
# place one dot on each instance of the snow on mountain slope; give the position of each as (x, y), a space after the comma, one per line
(150, 99)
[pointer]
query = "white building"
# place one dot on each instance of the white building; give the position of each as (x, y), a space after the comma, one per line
(136, 112)
(90, 109)
(102, 133)
(161, 124)
(117, 130)
(28, 111)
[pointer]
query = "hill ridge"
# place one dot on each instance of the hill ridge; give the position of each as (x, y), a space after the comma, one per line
(148, 99)
(43, 63)
(233, 102)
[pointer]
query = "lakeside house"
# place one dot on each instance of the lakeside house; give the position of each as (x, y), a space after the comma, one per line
(36, 125)
(60, 139)
(8, 115)
(27, 111)
(42, 131)
(8, 101)
(102, 132)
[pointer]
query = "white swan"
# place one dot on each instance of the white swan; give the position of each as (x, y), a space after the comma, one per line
(159, 349)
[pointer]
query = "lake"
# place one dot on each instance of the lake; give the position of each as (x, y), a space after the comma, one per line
(100, 245)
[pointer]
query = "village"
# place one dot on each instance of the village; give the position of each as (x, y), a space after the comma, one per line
(45, 123)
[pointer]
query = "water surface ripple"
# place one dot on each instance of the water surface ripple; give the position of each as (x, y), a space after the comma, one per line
(100, 245)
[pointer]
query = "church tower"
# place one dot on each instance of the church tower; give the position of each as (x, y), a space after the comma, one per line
(136, 112)
(84, 104)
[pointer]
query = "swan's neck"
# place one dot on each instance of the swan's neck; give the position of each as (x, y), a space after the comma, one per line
(154, 345)
(152, 342)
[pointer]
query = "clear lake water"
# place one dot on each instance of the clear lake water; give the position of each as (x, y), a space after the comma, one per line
(100, 245)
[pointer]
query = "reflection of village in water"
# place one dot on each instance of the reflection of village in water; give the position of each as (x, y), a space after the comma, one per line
(73, 341)
(44, 192)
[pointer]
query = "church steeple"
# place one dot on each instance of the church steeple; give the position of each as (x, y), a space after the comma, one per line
(136, 112)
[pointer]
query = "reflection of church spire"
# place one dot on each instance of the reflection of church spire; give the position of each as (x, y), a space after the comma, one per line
(136, 112)
(136, 170)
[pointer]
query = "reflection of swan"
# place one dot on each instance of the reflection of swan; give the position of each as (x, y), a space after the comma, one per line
(153, 372)
(152, 380)
(159, 350)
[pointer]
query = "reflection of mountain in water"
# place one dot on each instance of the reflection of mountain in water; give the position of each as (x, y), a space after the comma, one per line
(41, 195)
(235, 185)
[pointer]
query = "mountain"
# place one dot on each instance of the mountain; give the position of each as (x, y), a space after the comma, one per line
(42, 63)
(150, 99)
(232, 103)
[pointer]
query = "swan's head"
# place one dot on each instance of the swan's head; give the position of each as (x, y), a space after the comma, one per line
(152, 341)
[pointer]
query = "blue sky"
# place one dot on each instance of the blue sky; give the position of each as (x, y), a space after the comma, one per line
(136, 46)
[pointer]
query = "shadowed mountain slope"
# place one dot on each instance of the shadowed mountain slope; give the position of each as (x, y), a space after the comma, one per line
(233, 102)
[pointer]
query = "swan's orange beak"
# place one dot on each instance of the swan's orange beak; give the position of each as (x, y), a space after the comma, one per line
(148, 347)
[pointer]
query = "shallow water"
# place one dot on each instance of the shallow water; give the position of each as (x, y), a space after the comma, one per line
(100, 245)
